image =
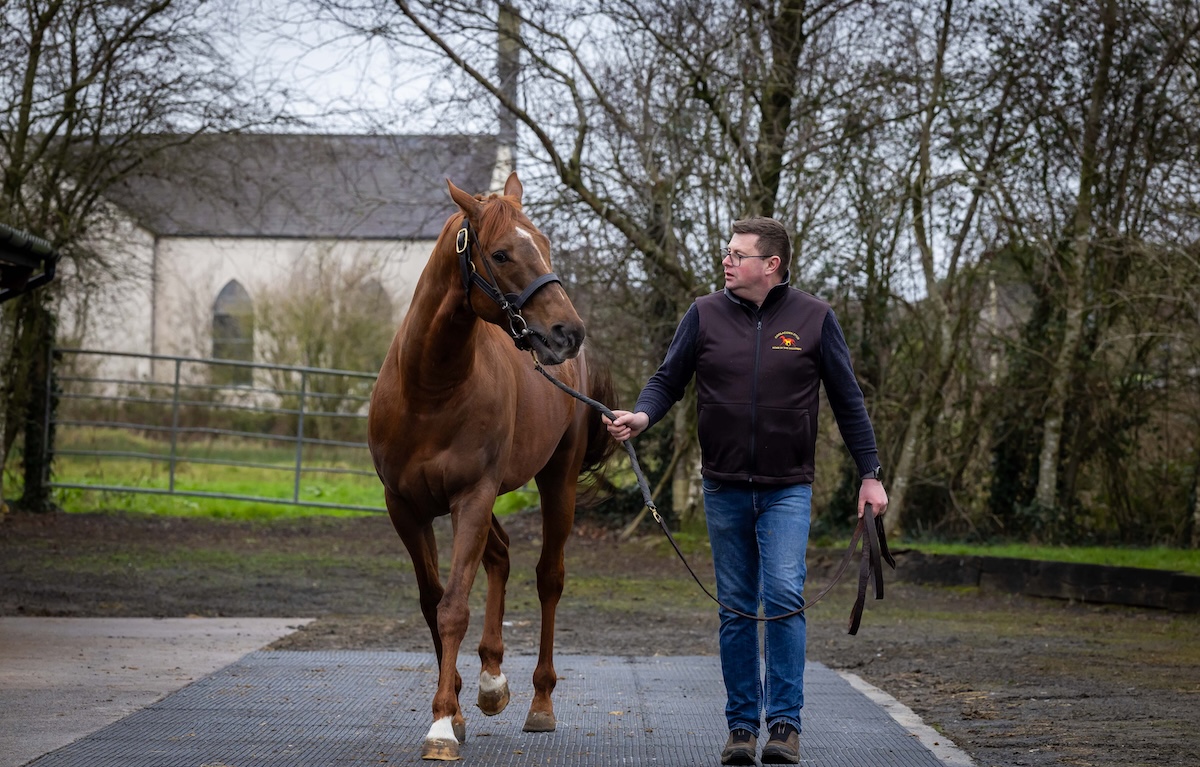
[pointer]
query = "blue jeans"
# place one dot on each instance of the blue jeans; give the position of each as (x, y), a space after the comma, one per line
(759, 538)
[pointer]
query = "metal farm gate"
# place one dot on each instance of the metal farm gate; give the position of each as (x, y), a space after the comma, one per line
(165, 414)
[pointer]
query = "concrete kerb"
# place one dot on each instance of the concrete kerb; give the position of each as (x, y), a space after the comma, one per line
(939, 744)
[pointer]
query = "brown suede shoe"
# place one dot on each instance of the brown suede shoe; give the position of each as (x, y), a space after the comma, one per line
(740, 748)
(783, 747)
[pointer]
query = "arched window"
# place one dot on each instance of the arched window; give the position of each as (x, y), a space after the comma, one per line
(233, 334)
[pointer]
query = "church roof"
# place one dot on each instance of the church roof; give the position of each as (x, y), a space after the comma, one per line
(306, 185)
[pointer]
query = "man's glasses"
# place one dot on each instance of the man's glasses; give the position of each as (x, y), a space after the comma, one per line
(736, 258)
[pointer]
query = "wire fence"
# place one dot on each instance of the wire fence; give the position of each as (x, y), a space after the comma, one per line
(140, 423)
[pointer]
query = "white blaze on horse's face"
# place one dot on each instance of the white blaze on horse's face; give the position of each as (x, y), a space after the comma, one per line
(528, 236)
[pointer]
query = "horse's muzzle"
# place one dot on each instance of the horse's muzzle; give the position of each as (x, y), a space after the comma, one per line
(562, 343)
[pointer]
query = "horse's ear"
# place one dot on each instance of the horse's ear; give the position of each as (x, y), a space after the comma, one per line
(512, 187)
(468, 204)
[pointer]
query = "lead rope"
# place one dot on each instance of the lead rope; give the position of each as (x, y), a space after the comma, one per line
(874, 541)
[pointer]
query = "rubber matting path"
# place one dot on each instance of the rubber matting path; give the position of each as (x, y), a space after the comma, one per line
(372, 708)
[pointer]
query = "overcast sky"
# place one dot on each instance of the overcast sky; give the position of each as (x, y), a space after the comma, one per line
(336, 79)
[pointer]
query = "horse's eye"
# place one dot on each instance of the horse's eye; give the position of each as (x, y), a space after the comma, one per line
(500, 256)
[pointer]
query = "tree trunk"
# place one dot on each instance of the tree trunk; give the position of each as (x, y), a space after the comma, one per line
(1074, 273)
(785, 30)
(1194, 501)
(901, 477)
(34, 403)
(7, 325)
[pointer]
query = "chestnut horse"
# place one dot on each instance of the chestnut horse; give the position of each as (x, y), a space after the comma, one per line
(460, 415)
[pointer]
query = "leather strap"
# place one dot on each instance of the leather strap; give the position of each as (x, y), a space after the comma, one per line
(531, 288)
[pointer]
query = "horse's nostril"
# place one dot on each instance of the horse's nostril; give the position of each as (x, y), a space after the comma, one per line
(567, 335)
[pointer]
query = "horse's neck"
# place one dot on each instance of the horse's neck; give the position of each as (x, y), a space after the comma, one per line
(437, 351)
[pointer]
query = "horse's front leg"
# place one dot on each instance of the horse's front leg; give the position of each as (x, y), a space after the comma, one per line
(419, 540)
(493, 686)
(472, 523)
(558, 516)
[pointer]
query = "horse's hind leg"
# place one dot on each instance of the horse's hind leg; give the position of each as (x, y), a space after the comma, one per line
(558, 516)
(493, 686)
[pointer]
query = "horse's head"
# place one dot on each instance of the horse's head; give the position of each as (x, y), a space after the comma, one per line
(508, 275)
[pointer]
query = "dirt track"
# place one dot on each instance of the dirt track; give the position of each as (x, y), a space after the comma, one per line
(1013, 681)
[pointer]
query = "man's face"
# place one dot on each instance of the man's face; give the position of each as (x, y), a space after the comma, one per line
(748, 278)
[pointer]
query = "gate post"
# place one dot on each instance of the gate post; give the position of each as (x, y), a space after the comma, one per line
(174, 428)
(300, 436)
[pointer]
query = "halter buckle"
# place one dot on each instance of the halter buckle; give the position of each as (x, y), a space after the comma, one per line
(460, 243)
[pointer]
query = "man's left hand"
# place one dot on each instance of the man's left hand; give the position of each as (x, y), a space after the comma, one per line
(872, 492)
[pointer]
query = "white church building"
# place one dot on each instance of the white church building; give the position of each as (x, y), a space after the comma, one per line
(211, 225)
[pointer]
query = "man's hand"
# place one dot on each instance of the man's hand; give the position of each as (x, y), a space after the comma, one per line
(626, 425)
(871, 492)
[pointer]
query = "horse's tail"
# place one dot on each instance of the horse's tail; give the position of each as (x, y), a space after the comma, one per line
(600, 445)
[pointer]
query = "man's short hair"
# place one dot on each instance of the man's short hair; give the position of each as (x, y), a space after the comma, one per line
(773, 238)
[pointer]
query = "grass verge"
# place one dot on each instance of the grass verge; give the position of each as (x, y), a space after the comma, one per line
(1157, 558)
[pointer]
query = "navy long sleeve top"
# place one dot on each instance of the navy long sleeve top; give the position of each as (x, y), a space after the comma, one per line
(667, 385)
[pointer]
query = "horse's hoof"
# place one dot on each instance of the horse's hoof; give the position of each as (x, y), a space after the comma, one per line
(493, 693)
(492, 702)
(539, 721)
(441, 750)
(460, 730)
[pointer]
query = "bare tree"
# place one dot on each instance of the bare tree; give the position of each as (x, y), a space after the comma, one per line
(962, 134)
(1080, 236)
(970, 184)
(89, 89)
(1112, 113)
(650, 125)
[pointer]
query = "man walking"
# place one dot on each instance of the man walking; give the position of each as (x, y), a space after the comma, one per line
(759, 351)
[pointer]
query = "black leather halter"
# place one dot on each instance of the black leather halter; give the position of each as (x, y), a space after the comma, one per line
(511, 303)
